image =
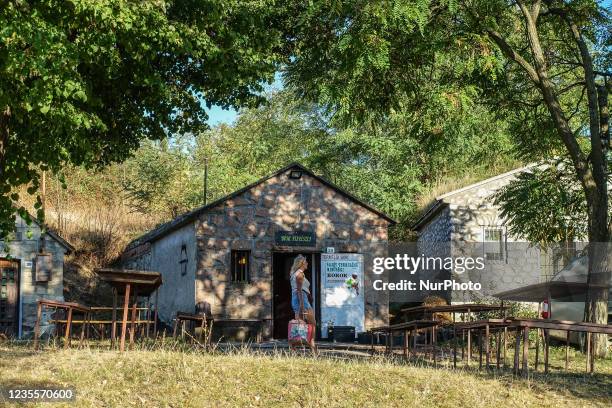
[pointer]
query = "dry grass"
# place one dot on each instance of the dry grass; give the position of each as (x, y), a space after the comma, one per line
(194, 379)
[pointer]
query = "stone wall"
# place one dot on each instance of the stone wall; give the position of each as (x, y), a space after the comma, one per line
(25, 250)
(177, 292)
(434, 240)
(250, 220)
(468, 213)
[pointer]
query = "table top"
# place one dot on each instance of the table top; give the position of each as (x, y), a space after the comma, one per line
(479, 324)
(560, 325)
(63, 305)
(463, 308)
(145, 282)
(192, 316)
(414, 324)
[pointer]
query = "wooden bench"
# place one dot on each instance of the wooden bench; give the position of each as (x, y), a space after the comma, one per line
(70, 308)
(486, 325)
(245, 322)
(524, 325)
(407, 329)
(206, 323)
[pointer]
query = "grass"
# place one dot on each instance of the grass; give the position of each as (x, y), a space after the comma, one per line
(243, 378)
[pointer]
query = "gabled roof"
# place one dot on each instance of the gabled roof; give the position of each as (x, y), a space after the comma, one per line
(442, 201)
(186, 218)
(54, 236)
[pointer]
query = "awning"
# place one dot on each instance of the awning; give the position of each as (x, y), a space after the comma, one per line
(540, 291)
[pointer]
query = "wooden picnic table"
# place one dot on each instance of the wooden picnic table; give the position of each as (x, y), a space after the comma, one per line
(524, 325)
(69, 308)
(407, 328)
(429, 310)
(137, 283)
(207, 322)
(485, 325)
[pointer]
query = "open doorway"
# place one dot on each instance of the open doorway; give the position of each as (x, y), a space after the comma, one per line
(9, 297)
(282, 312)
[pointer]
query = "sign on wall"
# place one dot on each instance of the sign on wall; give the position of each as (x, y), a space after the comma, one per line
(342, 298)
(296, 238)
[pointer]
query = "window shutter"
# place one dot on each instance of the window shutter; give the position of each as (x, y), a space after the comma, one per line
(44, 266)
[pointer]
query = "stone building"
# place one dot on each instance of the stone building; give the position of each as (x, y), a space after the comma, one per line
(30, 268)
(235, 253)
(466, 222)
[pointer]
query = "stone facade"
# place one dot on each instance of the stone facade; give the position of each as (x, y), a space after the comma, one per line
(458, 227)
(249, 221)
(24, 247)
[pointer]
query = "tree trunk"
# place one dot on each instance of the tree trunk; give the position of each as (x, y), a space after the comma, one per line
(600, 254)
(591, 171)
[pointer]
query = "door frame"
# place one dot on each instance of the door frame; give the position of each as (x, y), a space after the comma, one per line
(17, 311)
(314, 259)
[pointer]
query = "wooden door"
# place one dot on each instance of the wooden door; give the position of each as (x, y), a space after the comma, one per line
(9, 296)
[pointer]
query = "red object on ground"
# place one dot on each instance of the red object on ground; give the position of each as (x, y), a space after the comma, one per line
(545, 312)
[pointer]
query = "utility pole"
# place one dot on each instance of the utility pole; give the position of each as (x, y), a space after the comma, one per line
(43, 202)
(205, 180)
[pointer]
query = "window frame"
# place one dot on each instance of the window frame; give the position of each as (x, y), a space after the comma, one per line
(244, 275)
(501, 254)
(183, 260)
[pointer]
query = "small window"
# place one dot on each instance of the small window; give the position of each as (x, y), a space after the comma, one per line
(241, 266)
(494, 244)
(183, 260)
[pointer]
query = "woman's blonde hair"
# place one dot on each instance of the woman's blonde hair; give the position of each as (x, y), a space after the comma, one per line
(297, 262)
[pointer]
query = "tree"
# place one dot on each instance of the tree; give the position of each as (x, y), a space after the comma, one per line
(545, 204)
(83, 82)
(442, 140)
(539, 62)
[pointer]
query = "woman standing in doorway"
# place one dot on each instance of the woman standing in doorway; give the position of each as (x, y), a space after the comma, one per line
(300, 294)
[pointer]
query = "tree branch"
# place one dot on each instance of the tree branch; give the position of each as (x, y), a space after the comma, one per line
(513, 55)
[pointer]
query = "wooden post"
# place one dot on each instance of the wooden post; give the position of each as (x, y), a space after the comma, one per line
(409, 339)
(567, 343)
(37, 325)
(537, 351)
(588, 352)
(462, 345)
(434, 342)
(176, 322)
(487, 348)
(371, 341)
(68, 326)
(516, 351)
(526, 352)
(469, 346)
(114, 320)
(126, 304)
(480, 349)
(83, 327)
(505, 344)
(155, 314)
(455, 347)
(498, 349)
(148, 314)
(133, 323)
(406, 344)
(546, 350)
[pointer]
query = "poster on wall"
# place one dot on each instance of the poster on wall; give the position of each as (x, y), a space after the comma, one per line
(343, 302)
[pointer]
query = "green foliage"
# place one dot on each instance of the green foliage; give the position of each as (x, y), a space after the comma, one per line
(545, 205)
(83, 82)
(389, 166)
(367, 62)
